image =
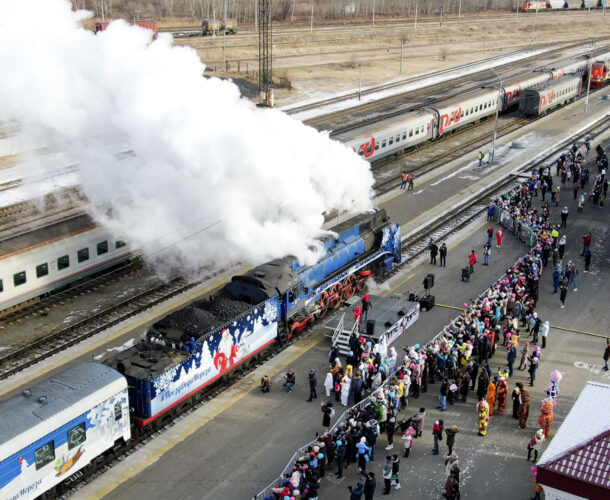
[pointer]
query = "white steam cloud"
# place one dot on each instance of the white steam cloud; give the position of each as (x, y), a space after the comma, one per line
(209, 180)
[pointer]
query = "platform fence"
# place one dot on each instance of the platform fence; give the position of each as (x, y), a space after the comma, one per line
(508, 220)
(514, 225)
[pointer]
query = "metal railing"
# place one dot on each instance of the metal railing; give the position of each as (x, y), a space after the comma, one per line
(520, 229)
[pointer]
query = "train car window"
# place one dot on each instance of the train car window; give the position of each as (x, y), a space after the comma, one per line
(76, 436)
(428, 127)
(83, 254)
(383, 143)
(368, 150)
(411, 133)
(121, 243)
(391, 141)
(398, 138)
(44, 455)
(118, 411)
(1, 286)
(404, 136)
(376, 146)
(19, 278)
(63, 262)
(42, 270)
(462, 114)
(102, 247)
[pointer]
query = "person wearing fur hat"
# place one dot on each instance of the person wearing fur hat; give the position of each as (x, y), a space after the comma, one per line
(535, 444)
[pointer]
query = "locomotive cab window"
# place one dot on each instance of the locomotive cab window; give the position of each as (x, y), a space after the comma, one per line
(42, 270)
(76, 436)
(118, 411)
(63, 262)
(102, 247)
(83, 254)
(44, 455)
(19, 278)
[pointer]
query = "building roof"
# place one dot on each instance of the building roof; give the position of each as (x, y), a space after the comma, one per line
(578, 458)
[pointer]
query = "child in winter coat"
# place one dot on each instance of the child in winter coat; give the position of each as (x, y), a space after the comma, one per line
(407, 439)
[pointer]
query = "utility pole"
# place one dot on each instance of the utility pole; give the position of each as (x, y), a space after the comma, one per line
(373, 12)
(103, 19)
(534, 25)
(265, 56)
(402, 46)
(492, 150)
(311, 24)
(460, 12)
(588, 83)
(359, 80)
(441, 16)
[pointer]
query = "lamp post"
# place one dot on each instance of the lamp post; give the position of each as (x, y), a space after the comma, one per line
(492, 150)
(590, 57)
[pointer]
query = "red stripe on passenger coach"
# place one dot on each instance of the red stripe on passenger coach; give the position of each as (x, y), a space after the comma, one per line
(142, 423)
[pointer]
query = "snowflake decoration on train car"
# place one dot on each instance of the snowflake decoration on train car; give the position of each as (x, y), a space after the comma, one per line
(270, 312)
(163, 381)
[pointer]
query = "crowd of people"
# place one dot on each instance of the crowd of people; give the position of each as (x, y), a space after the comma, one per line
(502, 323)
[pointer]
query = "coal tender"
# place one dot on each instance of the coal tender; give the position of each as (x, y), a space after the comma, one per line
(196, 345)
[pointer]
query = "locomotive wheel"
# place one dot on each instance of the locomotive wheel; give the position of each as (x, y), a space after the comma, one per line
(336, 290)
(335, 300)
(349, 286)
(322, 305)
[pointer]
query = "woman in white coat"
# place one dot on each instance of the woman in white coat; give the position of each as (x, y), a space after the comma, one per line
(345, 386)
(328, 384)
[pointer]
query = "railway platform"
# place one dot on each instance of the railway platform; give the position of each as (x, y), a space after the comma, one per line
(238, 442)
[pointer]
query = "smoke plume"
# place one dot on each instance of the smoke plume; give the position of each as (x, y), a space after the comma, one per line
(174, 162)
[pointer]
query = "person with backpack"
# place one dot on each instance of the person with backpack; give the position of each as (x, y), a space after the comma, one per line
(486, 253)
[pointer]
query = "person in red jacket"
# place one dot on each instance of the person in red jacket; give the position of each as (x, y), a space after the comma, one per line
(472, 260)
(586, 243)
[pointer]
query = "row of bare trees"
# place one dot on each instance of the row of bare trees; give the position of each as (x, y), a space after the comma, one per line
(289, 10)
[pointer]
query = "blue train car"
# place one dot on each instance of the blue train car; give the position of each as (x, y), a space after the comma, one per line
(59, 426)
(194, 346)
(184, 352)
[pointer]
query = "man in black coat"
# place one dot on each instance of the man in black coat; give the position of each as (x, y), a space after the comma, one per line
(370, 483)
(312, 378)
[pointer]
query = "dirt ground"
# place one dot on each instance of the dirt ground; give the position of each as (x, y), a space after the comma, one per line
(330, 58)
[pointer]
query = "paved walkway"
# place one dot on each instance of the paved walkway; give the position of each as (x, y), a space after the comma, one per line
(251, 437)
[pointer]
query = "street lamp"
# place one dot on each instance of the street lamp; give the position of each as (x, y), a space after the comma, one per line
(492, 150)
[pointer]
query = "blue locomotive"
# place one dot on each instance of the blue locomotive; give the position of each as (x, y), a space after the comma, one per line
(196, 345)
(61, 425)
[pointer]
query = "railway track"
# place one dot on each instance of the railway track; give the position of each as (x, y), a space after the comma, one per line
(387, 169)
(417, 245)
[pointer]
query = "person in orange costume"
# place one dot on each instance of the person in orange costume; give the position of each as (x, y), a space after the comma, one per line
(491, 396)
(546, 416)
(502, 393)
